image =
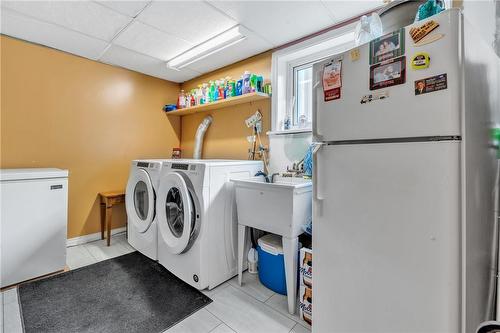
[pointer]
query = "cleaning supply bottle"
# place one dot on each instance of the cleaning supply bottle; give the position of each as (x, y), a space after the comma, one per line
(239, 87)
(253, 259)
(181, 100)
(246, 82)
(221, 88)
(253, 83)
(212, 91)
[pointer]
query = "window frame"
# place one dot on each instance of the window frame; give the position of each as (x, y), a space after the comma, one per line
(308, 52)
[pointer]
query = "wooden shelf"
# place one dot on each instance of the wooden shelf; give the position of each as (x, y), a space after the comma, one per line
(223, 103)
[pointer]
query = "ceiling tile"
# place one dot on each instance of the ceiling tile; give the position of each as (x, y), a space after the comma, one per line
(84, 16)
(278, 21)
(343, 10)
(129, 8)
(22, 27)
(252, 45)
(194, 21)
(120, 56)
(151, 41)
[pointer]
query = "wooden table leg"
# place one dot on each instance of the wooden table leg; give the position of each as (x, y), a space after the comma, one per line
(103, 219)
(109, 210)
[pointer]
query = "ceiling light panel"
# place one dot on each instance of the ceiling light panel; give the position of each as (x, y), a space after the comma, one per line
(84, 16)
(22, 27)
(248, 47)
(119, 56)
(194, 21)
(151, 41)
(278, 21)
(213, 45)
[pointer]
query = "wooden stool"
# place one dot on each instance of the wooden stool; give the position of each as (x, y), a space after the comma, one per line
(108, 199)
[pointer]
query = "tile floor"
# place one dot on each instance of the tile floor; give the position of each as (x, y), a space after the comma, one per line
(250, 308)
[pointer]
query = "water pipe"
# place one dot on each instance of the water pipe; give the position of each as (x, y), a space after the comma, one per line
(198, 138)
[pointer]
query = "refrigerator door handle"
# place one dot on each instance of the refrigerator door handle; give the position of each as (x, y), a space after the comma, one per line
(316, 195)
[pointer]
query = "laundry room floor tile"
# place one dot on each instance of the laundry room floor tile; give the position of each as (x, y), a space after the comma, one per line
(100, 251)
(211, 293)
(222, 328)
(201, 321)
(300, 329)
(280, 303)
(251, 285)
(78, 256)
(243, 313)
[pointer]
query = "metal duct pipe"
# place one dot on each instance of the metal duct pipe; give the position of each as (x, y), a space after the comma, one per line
(198, 138)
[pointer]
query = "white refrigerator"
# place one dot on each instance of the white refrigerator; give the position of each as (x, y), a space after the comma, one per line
(402, 182)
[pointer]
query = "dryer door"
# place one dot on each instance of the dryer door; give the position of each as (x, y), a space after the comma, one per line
(176, 216)
(140, 200)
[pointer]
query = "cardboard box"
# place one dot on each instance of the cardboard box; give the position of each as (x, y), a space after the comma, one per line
(305, 306)
(305, 267)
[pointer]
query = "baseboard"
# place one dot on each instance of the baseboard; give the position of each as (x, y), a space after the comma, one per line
(91, 237)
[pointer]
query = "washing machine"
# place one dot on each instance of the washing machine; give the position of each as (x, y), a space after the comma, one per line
(140, 197)
(197, 220)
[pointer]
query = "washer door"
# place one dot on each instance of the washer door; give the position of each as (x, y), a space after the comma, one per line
(140, 200)
(176, 216)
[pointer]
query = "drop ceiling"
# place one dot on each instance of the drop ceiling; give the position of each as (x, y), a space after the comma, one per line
(143, 35)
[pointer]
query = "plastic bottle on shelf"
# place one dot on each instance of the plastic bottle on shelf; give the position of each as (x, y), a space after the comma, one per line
(253, 83)
(239, 87)
(181, 100)
(211, 92)
(221, 88)
(246, 83)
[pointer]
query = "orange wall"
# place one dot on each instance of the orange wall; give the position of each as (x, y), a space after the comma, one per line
(60, 110)
(226, 137)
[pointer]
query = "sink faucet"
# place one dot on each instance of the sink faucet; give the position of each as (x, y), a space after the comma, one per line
(272, 176)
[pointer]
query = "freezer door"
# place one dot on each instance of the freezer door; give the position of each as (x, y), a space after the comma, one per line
(402, 113)
(386, 238)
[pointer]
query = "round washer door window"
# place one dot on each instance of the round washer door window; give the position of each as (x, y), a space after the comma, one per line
(174, 209)
(175, 212)
(140, 200)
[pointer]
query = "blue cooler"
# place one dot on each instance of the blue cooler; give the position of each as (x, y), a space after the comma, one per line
(272, 263)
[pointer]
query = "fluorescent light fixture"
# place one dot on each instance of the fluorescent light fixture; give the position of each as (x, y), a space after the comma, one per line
(207, 48)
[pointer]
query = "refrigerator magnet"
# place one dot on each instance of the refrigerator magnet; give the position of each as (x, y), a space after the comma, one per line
(418, 33)
(388, 73)
(375, 96)
(332, 79)
(387, 47)
(431, 84)
(420, 60)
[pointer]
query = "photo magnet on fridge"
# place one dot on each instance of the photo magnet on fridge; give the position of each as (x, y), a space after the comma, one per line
(388, 73)
(431, 84)
(387, 47)
(332, 79)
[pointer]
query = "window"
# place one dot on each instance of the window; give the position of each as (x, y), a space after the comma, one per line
(292, 77)
(302, 90)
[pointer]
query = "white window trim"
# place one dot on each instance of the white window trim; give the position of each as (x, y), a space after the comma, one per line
(284, 61)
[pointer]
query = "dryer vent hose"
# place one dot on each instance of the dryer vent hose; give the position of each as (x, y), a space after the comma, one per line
(198, 138)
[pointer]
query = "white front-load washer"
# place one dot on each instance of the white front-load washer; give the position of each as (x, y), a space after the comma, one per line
(140, 197)
(197, 226)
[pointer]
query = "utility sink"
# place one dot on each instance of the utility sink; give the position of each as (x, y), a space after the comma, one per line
(281, 207)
